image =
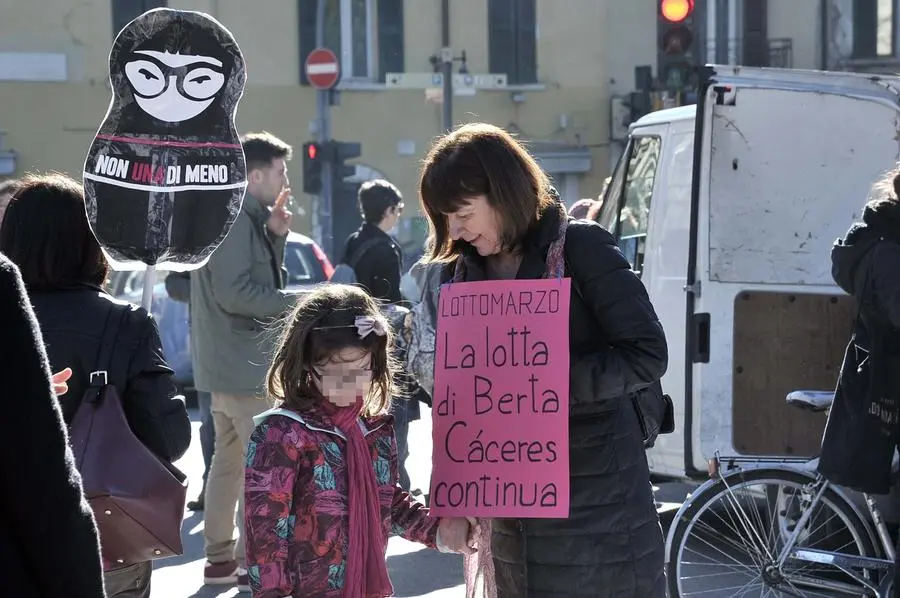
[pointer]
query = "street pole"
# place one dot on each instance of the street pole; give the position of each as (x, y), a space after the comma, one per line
(446, 66)
(323, 107)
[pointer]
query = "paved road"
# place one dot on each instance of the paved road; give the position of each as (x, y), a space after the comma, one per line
(415, 571)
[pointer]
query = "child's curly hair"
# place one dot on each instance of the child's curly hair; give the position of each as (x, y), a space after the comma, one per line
(321, 325)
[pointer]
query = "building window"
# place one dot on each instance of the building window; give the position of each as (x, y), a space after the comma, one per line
(873, 28)
(349, 32)
(125, 11)
(366, 36)
(512, 40)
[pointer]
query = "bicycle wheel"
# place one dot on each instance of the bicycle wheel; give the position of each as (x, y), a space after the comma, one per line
(744, 519)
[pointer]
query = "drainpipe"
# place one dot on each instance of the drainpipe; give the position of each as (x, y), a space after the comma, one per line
(823, 33)
(447, 66)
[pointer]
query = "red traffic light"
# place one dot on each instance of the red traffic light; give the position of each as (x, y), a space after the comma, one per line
(676, 11)
(312, 151)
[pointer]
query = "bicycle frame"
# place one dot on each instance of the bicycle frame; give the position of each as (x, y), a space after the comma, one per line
(818, 484)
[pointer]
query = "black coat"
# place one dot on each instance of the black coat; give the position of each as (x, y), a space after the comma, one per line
(611, 545)
(858, 447)
(72, 322)
(48, 541)
(379, 270)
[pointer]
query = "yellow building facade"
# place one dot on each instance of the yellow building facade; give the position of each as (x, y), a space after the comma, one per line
(564, 61)
(54, 90)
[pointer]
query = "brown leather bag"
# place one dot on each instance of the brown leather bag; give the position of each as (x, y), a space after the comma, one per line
(138, 500)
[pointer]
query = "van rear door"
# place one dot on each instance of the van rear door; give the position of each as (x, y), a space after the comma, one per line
(787, 161)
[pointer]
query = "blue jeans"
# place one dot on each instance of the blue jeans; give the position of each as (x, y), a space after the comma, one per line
(207, 432)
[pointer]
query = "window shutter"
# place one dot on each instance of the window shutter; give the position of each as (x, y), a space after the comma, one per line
(125, 11)
(526, 41)
(756, 33)
(306, 19)
(865, 28)
(502, 39)
(390, 38)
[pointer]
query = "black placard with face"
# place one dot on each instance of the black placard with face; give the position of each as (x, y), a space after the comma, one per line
(165, 175)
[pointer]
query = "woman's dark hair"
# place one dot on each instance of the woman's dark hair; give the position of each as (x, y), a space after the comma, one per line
(321, 325)
(45, 232)
(481, 159)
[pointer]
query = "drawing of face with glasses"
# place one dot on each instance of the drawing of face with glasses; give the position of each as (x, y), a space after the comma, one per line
(174, 87)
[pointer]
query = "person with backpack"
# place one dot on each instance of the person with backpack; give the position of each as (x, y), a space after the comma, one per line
(374, 260)
(46, 234)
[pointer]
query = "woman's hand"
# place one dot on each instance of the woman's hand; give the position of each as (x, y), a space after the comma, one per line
(59, 380)
(457, 534)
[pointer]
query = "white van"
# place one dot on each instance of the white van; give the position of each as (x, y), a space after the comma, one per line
(728, 210)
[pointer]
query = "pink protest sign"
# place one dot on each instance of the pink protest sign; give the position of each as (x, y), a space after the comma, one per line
(501, 400)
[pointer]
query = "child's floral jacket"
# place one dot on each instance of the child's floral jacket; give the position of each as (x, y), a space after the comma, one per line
(296, 521)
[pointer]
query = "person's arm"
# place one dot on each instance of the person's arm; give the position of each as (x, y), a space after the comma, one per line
(280, 244)
(154, 409)
(634, 353)
(42, 504)
(410, 519)
(229, 268)
(273, 461)
(885, 263)
(178, 286)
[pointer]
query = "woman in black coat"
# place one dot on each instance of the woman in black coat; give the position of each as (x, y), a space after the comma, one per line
(857, 452)
(492, 211)
(46, 234)
(48, 541)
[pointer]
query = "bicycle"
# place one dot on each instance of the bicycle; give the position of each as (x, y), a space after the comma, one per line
(787, 559)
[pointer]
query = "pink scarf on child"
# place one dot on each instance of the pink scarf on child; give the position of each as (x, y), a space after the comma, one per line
(366, 573)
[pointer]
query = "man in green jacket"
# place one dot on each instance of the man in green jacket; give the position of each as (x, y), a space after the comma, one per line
(233, 299)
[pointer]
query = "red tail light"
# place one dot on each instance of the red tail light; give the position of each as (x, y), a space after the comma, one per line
(323, 259)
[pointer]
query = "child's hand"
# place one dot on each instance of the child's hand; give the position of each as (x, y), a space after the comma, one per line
(457, 534)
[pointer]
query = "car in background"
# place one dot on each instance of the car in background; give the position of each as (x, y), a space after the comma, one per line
(307, 266)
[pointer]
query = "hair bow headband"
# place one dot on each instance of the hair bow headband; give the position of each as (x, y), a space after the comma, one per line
(366, 325)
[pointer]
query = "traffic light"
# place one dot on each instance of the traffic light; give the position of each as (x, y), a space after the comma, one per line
(340, 152)
(679, 38)
(313, 157)
(336, 153)
(345, 217)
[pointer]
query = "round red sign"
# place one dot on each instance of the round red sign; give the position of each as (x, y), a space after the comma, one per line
(322, 68)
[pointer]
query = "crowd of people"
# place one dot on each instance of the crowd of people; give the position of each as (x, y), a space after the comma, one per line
(304, 430)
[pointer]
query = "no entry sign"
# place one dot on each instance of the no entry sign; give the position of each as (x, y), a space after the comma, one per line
(322, 68)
